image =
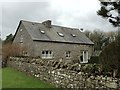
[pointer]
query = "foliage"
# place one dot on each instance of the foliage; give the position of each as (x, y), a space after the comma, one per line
(91, 68)
(15, 79)
(10, 50)
(107, 9)
(7, 49)
(94, 59)
(101, 39)
(9, 38)
(98, 39)
(110, 58)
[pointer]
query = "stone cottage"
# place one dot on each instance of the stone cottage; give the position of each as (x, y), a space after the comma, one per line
(52, 42)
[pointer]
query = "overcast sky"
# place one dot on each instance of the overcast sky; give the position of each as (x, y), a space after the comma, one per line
(69, 13)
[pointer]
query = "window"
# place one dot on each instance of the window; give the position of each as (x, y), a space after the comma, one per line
(21, 38)
(73, 35)
(67, 54)
(84, 56)
(25, 53)
(21, 30)
(42, 31)
(48, 54)
(60, 34)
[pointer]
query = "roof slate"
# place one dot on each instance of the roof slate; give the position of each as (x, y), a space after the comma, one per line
(51, 34)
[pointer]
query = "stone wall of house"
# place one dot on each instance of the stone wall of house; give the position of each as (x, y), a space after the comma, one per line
(35, 48)
(23, 38)
(62, 74)
(59, 50)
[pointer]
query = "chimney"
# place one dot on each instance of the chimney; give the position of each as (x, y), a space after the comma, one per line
(47, 23)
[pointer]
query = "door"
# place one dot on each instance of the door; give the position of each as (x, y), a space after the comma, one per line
(84, 56)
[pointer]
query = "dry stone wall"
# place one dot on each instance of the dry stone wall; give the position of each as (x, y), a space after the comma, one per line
(62, 74)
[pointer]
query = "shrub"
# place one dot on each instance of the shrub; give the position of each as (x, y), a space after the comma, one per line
(110, 58)
(10, 50)
(91, 68)
(94, 59)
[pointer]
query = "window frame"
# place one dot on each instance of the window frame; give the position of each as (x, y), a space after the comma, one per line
(60, 34)
(85, 56)
(68, 54)
(21, 38)
(46, 54)
(42, 31)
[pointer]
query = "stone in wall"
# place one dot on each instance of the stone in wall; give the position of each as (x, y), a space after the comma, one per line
(62, 74)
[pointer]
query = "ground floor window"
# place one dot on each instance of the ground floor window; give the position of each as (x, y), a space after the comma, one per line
(84, 56)
(47, 54)
(25, 53)
(67, 54)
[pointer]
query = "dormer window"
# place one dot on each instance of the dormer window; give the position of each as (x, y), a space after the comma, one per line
(42, 31)
(60, 34)
(73, 35)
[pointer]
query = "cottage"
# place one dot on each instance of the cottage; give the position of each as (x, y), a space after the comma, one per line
(53, 42)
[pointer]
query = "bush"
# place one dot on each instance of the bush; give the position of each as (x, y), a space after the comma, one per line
(91, 68)
(10, 50)
(94, 59)
(110, 58)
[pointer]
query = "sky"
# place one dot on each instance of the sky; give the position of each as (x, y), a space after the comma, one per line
(67, 13)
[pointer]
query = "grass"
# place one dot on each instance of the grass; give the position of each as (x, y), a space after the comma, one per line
(12, 78)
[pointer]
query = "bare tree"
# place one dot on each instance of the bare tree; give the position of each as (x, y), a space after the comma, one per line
(11, 50)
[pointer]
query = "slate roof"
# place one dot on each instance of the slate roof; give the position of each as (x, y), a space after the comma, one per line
(39, 32)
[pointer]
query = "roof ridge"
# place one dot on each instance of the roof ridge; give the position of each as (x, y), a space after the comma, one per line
(52, 24)
(30, 21)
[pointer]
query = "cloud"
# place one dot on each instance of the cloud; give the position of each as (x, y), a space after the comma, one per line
(14, 12)
(70, 13)
(79, 14)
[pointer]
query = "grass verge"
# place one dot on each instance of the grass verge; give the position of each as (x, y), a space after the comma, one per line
(12, 78)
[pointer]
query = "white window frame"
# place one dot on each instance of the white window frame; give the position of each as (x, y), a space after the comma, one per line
(60, 34)
(68, 54)
(47, 54)
(21, 38)
(73, 35)
(25, 53)
(21, 30)
(85, 56)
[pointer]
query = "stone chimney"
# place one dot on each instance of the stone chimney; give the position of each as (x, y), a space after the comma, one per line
(47, 23)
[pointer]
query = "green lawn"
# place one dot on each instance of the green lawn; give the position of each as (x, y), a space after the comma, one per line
(14, 79)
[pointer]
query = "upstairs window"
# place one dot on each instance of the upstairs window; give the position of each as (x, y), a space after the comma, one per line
(67, 54)
(21, 30)
(42, 31)
(73, 35)
(60, 34)
(21, 38)
(47, 54)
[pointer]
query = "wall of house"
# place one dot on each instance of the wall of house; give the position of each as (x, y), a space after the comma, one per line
(59, 50)
(27, 42)
(62, 74)
(35, 48)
